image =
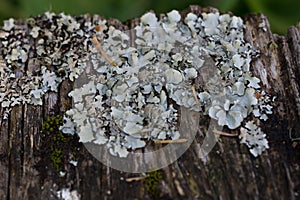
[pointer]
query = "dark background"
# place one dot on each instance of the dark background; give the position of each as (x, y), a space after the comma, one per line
(281, 13)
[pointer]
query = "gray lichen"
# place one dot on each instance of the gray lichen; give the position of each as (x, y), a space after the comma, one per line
(59, 45)
(254, 138)
(128, 93)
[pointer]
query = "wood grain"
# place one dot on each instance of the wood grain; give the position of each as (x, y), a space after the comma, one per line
(229, 171)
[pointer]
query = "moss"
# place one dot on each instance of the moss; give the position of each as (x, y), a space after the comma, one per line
(151, 183)
(52, 124)
(56, 159)
(57, 145)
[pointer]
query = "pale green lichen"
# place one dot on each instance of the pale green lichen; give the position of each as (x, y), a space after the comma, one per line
(171, 54)
(254, 138)
(131, 103)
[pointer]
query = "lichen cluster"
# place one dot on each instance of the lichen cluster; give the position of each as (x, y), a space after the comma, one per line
(254, 138)
(36, 61)
(130, 91)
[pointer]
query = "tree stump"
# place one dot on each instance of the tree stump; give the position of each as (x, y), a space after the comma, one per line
(230, 172)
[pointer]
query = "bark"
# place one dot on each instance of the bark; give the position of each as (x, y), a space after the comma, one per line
(229, 172)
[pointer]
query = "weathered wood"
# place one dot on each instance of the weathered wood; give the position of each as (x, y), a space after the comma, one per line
(229, 171)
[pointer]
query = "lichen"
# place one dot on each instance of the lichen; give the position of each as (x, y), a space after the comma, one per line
(254, 138)
(59, 46)
(67, 194)
(130, 94)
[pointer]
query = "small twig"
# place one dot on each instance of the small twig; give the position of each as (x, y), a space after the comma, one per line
(105, 56)
(195, 94)
(99, 27)
(224, 133)
(182, 140)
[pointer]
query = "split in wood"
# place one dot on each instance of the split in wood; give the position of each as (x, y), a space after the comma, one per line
(105, 56)
(291, 137)
(224, 133)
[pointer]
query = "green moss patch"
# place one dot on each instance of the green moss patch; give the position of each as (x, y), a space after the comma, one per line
(152, 181)
(56, 146)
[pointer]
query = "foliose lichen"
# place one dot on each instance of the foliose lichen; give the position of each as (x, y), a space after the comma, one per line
(254, 138)
(29, 71)
(129, 92)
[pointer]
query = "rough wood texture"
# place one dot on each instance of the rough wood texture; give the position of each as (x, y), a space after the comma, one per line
(230, 172)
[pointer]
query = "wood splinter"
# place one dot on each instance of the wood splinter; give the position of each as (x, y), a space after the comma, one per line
(105, 56)
(99, 27)
(182, 140)
(139, 178)
(224, 133)
(195, 94)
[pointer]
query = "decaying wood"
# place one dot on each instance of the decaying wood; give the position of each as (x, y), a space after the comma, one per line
(229, 171)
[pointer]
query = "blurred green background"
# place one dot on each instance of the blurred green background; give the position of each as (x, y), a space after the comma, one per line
(281, 13)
